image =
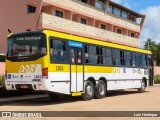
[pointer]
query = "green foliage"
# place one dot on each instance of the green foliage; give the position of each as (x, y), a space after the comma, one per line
(154, 48)
(157, 79)
(2, 80)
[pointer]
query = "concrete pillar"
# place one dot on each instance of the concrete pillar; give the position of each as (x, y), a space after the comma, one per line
(68, 15)
(91, 22)
(106, 3)
(92, 2)
(142, 22)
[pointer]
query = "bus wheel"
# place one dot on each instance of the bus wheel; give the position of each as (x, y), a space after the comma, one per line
(142, 89)
(53, 96)
(100, 90)
(89, 91)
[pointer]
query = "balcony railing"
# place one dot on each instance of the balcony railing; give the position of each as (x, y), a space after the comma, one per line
(85, 30)
(87, 9)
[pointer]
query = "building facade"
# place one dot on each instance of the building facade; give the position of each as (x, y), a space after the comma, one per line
(97, 19)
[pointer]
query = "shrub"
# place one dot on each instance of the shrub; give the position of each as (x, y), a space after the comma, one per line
(2, 81)
(157, 79)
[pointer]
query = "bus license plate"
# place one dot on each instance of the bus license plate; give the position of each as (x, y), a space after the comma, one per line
(24, 86)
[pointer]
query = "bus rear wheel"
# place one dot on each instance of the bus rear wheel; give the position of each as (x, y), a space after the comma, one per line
(89, 91)
(100, 90)
(142, 89)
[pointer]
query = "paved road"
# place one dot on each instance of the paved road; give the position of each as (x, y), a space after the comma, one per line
(129, 100)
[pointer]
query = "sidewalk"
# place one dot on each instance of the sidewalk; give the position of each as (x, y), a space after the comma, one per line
(156, 85)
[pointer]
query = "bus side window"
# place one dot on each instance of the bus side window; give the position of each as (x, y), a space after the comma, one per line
(133, 60)
(92, 55)
(108, 56)
(113, 57)
(116, 57)
(72, 57)
(144, 62)
(137, 60)
(128, 60)
(122, 58)
(147, 60)
(58, 51)
(86, 54)
(99, 55)
(140, 60)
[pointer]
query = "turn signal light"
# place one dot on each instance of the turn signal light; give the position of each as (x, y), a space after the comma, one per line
(45, 73)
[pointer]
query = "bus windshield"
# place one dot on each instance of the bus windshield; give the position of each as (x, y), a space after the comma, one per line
(26, 47)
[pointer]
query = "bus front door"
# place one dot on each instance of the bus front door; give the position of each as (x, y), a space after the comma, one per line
(76, 70)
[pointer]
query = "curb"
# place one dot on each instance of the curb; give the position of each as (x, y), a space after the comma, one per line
(9, 100)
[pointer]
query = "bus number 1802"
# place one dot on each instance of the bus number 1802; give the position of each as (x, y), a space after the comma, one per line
(59, 68)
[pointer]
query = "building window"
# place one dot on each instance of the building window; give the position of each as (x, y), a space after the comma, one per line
(83, 21)
(110, 9)
(133, 19)
(100, 4)
(132, 35)
(103, 26)
(85, 1)
(124, 15)
(117, 12)
(119, 31)
(31, 9)
(59, 14)
(28, 30)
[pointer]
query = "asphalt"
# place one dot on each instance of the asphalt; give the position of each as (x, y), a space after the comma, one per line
(7, 100)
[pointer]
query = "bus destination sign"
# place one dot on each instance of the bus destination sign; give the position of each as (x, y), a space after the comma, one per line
(28, 38)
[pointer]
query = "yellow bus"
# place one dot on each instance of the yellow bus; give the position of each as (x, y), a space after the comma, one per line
(62, 63)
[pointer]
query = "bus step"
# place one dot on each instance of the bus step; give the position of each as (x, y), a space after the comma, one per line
(77, 93)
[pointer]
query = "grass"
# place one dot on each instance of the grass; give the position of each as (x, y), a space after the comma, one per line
(157, 79)
(2, 80)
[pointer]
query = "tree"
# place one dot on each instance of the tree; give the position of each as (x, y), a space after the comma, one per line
(158, 55)
(154, 48)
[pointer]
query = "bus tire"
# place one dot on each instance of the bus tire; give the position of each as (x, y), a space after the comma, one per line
(100, 90)
(142, 89)
(53, 95)
(89, 91)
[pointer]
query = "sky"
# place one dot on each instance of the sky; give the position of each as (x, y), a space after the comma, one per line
(150, 8)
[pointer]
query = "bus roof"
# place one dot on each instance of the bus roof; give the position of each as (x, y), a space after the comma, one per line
(93, 41)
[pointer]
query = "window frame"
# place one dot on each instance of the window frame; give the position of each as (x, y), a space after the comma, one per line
(31, 9)
(100, 53)
(66, 47)
(59, 13)
(103, 26)
(83, 21)
(119, 31)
